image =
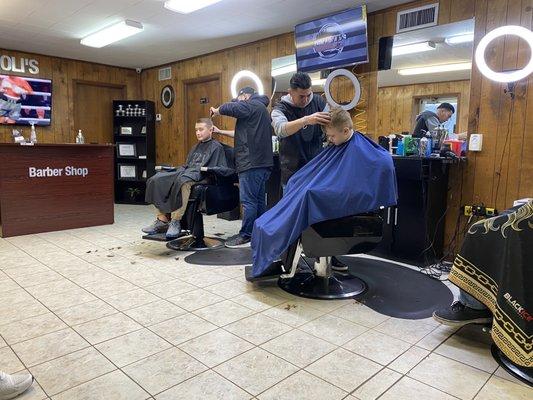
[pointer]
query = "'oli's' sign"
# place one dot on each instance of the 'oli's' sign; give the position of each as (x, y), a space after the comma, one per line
(22, 65)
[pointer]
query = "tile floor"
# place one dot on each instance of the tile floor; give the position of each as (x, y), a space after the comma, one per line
(98, 313)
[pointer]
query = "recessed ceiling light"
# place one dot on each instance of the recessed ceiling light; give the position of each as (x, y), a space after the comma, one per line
(467, 37)
(112, 34)
(435, 68)
(188, 6)
(413, 48)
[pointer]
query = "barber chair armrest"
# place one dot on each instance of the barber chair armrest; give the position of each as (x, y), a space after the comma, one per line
(220, 175)
(167, 168)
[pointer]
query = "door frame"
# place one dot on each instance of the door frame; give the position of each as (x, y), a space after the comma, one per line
(193, 81)
(75, 83)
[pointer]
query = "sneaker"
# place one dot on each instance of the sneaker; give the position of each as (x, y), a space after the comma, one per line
(237, 242)
(13, 385)
(458, 315)
(174, 229)
(157, 226)
(338, 266)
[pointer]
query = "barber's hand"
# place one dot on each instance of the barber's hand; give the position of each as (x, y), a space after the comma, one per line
(204, 169)
(215, 129)
(214, 112)
(322, 118)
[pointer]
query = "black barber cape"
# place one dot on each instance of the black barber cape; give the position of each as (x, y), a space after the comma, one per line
(163, 190)
(495, 266)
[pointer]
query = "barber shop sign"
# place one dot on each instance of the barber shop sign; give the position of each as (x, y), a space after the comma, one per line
(21, 65)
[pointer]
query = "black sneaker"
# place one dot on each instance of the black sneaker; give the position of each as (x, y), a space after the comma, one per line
(338, 266)
(237, 242)
(458, 315)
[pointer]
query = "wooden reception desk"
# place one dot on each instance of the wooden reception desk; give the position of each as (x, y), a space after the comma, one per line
(51, 187)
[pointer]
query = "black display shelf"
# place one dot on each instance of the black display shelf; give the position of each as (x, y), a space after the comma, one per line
(132, 191)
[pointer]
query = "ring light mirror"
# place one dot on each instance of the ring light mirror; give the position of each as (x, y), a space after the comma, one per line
(246, 74)
(355, 83)
(508, 76)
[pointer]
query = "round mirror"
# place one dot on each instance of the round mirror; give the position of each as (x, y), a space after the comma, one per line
(167, 96)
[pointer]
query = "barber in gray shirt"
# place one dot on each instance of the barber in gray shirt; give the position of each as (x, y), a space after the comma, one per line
(428, 121)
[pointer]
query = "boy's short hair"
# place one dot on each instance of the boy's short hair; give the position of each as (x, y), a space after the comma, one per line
(340, 118)
(207, 121)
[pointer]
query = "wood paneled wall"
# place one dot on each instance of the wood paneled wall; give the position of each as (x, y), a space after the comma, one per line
(396, 105)
(64, 72)
(503, 170)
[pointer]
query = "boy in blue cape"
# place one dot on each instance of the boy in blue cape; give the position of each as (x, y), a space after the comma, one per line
(351, 176)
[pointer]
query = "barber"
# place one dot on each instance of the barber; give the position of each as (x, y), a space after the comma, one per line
(253, 156)
(297, 120)
(428, 121)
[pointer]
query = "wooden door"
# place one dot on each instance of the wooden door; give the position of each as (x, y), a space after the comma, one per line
(201, 94)
(93, 110)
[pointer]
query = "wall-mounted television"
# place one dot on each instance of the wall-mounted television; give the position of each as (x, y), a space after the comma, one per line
(334, 41)
(25, 100)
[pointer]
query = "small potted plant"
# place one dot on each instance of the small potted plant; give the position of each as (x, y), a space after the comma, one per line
(133, 193)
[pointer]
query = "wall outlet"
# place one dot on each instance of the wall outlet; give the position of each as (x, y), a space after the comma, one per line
(158, 117)
(475, 142)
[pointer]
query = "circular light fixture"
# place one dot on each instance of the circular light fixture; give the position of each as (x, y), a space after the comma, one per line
(509, 76)
(355, 83)
(246, 74)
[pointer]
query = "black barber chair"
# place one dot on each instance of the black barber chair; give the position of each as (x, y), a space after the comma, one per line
(350, 235)
(219, 195)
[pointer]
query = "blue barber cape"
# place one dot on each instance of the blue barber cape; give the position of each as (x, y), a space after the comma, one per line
(353, 178)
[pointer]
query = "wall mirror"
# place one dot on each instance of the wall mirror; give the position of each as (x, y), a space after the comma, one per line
(429, 66)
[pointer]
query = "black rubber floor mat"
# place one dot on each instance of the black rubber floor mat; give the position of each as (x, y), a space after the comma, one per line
(398, 291)
(223, 256)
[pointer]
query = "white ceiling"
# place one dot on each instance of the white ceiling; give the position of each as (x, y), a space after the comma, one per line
(55, 27)
(444, 54)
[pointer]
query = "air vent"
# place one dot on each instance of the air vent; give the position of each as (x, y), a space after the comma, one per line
(165, 73)
(416, 18)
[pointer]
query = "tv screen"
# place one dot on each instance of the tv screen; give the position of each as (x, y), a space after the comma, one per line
(25, 100)
(334, 41)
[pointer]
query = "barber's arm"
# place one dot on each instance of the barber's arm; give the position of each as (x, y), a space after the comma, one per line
(283, 128)
(235, 109)
(432, 123)
(223, 132)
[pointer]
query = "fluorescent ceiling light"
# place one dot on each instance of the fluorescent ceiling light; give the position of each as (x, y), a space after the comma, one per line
(464, 38)
(188, 6)
(413, 48)
(436, 68)
(318, 82)
(286, 69)
(112, 34)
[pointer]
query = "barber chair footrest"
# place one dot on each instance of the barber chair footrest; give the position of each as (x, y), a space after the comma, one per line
(337, 286)
(524, 374)
(162, 237)
(195, 244)
(272, 272)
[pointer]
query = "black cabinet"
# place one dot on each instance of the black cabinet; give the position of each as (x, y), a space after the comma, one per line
(414, 229)
(134, 138)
